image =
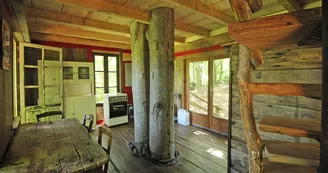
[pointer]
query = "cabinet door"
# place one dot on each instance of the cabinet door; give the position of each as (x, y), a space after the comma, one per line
(80, 106)
(68, 73)
(84, 72)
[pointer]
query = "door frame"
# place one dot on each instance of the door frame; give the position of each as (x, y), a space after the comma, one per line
(206, 121)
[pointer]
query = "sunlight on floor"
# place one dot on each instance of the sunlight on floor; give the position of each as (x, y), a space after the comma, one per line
(199, 133)
(216, 153)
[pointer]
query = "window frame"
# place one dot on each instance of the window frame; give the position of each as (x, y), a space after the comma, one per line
(106, 71)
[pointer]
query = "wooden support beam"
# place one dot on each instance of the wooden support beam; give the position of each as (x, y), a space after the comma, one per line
(69, 19)
(19, 8)
(257, 58)
(290, 5)
(72, 32)
(275, 31)
(160, 37)
(208, 10)
(255, 5)
(74, 40)
(307, 90)
(324, 113)
(254, 141)
(222, 40)
(135, 14)
(140, 83)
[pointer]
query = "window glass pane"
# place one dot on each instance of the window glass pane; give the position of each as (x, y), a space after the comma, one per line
(99, 79)
(112, 79)
(112, 63)
(68, 72)
(221, 87)
(198, 87)
(99, 63)
(99, 95)
(84, 72)
(112, 90)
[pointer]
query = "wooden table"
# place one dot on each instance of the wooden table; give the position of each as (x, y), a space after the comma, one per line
(58, 146)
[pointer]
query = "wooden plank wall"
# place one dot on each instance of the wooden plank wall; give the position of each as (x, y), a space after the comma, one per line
(6, 107)
(75, 54)
(290, 65)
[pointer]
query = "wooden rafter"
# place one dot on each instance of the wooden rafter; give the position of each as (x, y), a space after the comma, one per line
(72, 32)
(135, 14)
(290, 5)
(19, 9)
(205, 9)
(70, 19)
(35, 13)
(74, 40)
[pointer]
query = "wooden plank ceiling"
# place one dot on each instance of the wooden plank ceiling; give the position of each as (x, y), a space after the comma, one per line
(99, 21)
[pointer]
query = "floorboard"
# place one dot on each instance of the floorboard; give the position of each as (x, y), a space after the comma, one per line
(200, 152)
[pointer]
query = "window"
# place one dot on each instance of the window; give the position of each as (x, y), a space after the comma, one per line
(106, 75)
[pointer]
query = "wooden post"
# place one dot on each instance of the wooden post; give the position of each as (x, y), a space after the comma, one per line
(140, 83)
(254, 141)
(324, 117)
(161, 48)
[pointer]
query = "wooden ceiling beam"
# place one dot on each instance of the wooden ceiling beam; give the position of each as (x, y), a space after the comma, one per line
(79, 21)
(290, 5)
(74, 40)
(19, 10)
(208, 10)
(72, 32)
(135, 14)
(65, 18)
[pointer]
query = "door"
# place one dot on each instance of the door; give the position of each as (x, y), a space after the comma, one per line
(208, 92)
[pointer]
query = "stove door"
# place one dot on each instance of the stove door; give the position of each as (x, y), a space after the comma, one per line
(118, 109)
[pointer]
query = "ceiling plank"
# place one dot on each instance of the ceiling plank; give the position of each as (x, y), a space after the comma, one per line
(208, 10)
(65, 18)
(135, 14)
(72, 32)
(74, 40)
(290, 5)
(19, 9)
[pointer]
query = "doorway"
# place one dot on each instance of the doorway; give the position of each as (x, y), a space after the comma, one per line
(208, 92)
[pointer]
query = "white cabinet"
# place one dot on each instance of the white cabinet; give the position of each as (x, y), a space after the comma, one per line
(40, 80)
(76, 107)
(79, 96)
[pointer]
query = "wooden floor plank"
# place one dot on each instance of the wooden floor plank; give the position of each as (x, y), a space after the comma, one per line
(291, 126)
(195, 154)
(302, 154)
(273, 167)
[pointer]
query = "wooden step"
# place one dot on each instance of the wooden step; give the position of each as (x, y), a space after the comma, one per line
(302, 154)
(274, 167)
(291, 126)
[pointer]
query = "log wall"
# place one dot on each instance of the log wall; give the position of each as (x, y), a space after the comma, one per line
(6, 105)
(300, 65)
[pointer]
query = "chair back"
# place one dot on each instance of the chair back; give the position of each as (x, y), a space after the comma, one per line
(49, 114)
(90, 118)
(107, 131)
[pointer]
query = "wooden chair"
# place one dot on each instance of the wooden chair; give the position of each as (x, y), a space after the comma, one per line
(105, 130)
(49, 114)
(90, 118)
